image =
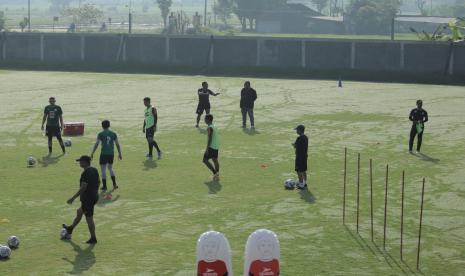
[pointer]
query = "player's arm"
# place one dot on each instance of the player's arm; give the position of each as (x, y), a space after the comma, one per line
(410, 117)
(213, 94)
(426, 117)
(61, 122)
(95, 147)
(155, 116)
(143, 127)
(119, 149)
(43, 120)
(210, 137)
(78, 193)
(254, 95)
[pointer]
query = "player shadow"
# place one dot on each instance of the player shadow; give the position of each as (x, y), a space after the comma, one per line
(250, 131)
(307, 196)
(49, 160)
(202, 130)
(84, 259)
(213, 186)
(149, 164)
(105, 198)
(427, 158)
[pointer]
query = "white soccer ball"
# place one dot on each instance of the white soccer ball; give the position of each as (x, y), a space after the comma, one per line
(13, 242)
(64, 234)
(5, 251)
(289, 184)
(67, 143)
(31, 161)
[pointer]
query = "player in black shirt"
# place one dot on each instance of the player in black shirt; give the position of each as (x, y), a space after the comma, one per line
(88, 194)
(248, 97)
(301, 155)
(204, 101)
(54, 117)
(419, 117)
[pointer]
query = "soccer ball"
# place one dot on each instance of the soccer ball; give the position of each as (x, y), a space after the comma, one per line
(289, 184)
(64, 234)
(31, 161)
(67, 142)
(5, 251)
(13, 242)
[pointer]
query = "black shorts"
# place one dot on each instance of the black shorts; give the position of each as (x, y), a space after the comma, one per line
(301, 164)
(201, 108)
(210, 154)
(87, 206)
(106, 159)
(52, 131)
(150, 132)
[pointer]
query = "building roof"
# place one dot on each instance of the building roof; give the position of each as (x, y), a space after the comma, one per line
(424, 19)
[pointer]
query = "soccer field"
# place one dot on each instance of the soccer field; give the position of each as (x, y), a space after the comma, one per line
(152, 223)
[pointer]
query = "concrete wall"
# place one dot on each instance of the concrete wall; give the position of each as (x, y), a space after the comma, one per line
(315, 54)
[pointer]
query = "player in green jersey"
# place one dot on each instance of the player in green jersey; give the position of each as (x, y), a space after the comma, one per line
(213, 145)
(150, 127)
(53, 116)
(108, 139)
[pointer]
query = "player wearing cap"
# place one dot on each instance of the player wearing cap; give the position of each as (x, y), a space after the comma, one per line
(301, 155)
(88, 194)
(53, 116)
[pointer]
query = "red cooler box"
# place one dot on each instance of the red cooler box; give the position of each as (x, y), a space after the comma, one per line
(73, 129)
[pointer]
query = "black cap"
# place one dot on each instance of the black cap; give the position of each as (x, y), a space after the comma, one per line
(85, 158)
(299, 127)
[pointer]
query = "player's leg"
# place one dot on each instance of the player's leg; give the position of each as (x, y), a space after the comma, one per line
(206, 158)
(60, 140)
(244, 117)
(76, 221)
(112, 175)
(199, 112)
(103, 168)
(251, 117)
(413, 132)
(155, 144)
(419, 141)
(304, 176)
(91, 226)
(217, 168)
(49, 138)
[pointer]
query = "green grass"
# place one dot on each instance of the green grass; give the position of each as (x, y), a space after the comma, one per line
(152, 226)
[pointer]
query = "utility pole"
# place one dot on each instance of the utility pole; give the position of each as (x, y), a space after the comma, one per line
(130, 16)
(205, 15)
(431, 8)
(29, 15)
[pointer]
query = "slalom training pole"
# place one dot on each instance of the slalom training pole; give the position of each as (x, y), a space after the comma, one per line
(358, 189)
(385, 206)
(421, 220)
(344, 193)
(402, 217)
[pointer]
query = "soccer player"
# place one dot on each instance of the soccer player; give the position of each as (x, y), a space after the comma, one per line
(213, 144)
(54, 116)
(88, 194)
(248, 97)
(204, 101)
(150, 127)
(419, 117)
(301, 155)
(109, 139)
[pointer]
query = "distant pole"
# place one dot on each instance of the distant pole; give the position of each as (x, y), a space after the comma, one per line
(29, 15)
(402, 217)
(371, 196)
(344, 194)
(431, 8)
(393, 23)
(421, 219)
(385, 206)
(130, 16)
(358, 189)
(205, 15)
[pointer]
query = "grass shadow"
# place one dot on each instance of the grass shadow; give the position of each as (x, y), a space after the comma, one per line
(427, 158)
(307, 196)
(84, 259)
(250, 131)
(149, 164)
(202, 130)
(105, 198)
(49, 160)
(213, 186)
(389, 259)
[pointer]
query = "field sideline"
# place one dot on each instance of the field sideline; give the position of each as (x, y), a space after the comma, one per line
(151, 225)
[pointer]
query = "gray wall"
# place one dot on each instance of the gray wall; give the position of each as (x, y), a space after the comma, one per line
(325, 54)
